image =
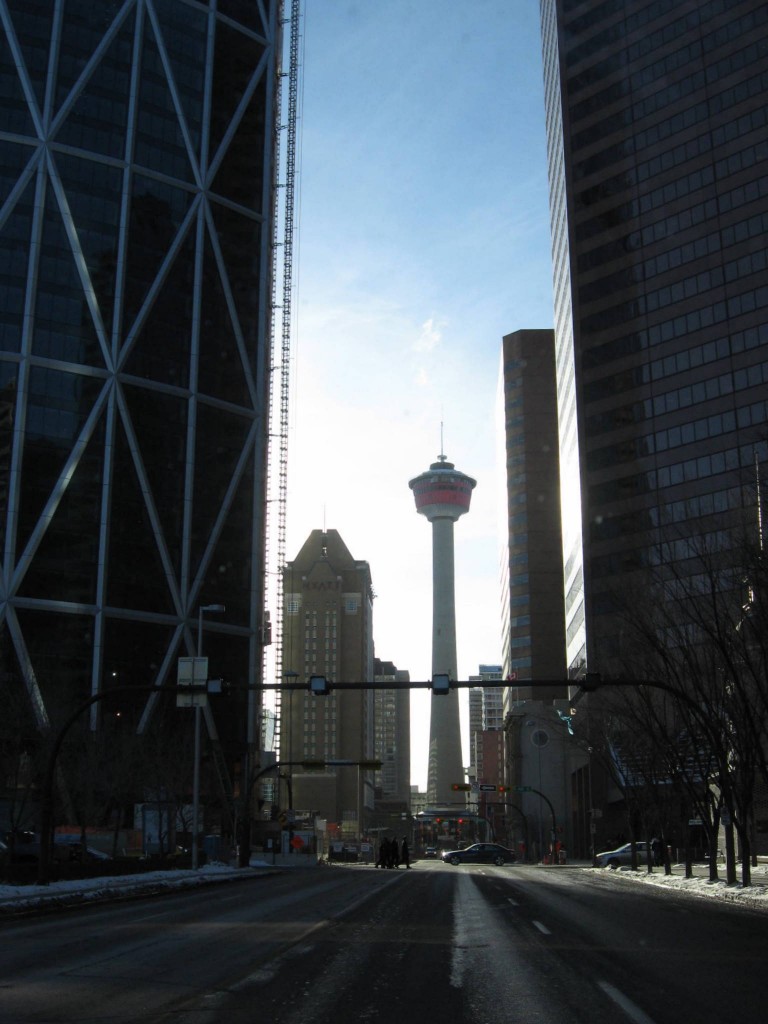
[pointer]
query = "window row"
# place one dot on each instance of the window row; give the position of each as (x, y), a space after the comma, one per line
(675, 92)
(690, 24)
(734, 28)
(700, 213)
(645, 555)
(611, 527)
(678, 362)
(699, 430)
(752, 227)
(687, 323)
(699, 468)
(693, 250)
(671, 226)
(690, 55)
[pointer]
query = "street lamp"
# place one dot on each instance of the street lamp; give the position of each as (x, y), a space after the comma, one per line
(196, 771)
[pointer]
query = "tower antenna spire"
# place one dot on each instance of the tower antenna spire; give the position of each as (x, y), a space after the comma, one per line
(441, 456)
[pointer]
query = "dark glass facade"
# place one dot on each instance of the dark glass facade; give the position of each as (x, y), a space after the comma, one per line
(136, 209)
(656, 119)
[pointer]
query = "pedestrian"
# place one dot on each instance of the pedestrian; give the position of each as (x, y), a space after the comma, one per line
(394, 853)
(405, 857)
(382, 862)
(657, 851)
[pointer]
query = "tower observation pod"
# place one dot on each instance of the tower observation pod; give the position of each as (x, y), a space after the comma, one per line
(442, 494)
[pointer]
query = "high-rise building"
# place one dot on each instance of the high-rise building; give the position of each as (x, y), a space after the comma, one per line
(392, 735)
(442, 494)
(486, 712)
(327, 631)
(475, 701)
(533, 623)
(656, 123)
(136, 208)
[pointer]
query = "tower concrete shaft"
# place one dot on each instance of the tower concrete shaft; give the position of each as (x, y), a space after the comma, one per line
(443, 494)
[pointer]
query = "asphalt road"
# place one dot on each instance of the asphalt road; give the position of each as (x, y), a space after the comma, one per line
(466, 945)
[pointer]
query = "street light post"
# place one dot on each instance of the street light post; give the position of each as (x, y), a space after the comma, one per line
(196, 769)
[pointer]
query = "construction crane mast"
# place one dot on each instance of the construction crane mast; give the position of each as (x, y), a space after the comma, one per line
(287, 100)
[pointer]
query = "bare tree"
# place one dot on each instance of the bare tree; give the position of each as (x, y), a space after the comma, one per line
(698, 634)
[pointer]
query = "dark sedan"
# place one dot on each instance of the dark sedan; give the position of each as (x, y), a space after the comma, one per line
(481, 853)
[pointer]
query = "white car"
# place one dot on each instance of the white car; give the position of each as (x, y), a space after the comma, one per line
(622, 855)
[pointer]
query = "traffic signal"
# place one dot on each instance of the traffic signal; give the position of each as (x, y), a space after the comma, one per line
(319, 686)
(460, 786)
(441, 685)
(502, 789)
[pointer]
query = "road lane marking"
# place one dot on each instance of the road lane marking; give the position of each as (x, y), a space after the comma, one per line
(632, 1011)
(512, 902)
(542, 928)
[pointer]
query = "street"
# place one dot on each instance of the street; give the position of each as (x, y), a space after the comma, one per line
(473, 944)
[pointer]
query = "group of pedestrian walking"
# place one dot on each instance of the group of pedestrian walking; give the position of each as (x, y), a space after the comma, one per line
(392, 854)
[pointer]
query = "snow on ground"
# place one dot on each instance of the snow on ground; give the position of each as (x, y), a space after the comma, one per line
(18, 898)
(754, 896)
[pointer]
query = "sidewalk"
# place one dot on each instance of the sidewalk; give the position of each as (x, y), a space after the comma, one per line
(753, 897)
(700, 869)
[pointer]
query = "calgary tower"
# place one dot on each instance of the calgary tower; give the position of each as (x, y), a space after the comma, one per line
(443, 494)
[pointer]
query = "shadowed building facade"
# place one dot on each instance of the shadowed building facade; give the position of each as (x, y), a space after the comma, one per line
(392, 716)
(656, 129)
(327, 631)
(136, 207)
(442, 494)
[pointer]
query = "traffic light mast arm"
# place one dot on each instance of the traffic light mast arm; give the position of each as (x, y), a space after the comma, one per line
(439, 684)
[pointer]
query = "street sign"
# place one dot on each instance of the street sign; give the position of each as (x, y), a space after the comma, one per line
(695, 821)
(486, 787)
(192, 673)
(524, 789)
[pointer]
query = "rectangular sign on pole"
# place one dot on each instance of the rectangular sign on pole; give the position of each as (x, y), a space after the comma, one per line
(486, 787)
(192, 673)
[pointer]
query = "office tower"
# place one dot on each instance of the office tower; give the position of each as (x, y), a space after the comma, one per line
(486, 712)
(442, 495)
(136, 198)
(656, 124)
(533, 623)
(475, 699)
(327, 631)
(392, 742)
(493, 709)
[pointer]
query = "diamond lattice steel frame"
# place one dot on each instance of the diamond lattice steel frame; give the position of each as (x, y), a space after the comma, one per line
(136, 197)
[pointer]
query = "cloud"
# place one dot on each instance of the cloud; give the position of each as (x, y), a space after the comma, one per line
(431, 335)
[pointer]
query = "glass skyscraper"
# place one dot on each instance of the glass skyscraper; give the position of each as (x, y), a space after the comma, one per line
(136, 213)
(656, 123)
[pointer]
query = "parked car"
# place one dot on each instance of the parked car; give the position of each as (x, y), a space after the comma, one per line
(70, 844)
(621, 856)
(481, 853)
(26, 849)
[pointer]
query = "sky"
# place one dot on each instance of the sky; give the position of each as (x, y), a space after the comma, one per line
(421, 239)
